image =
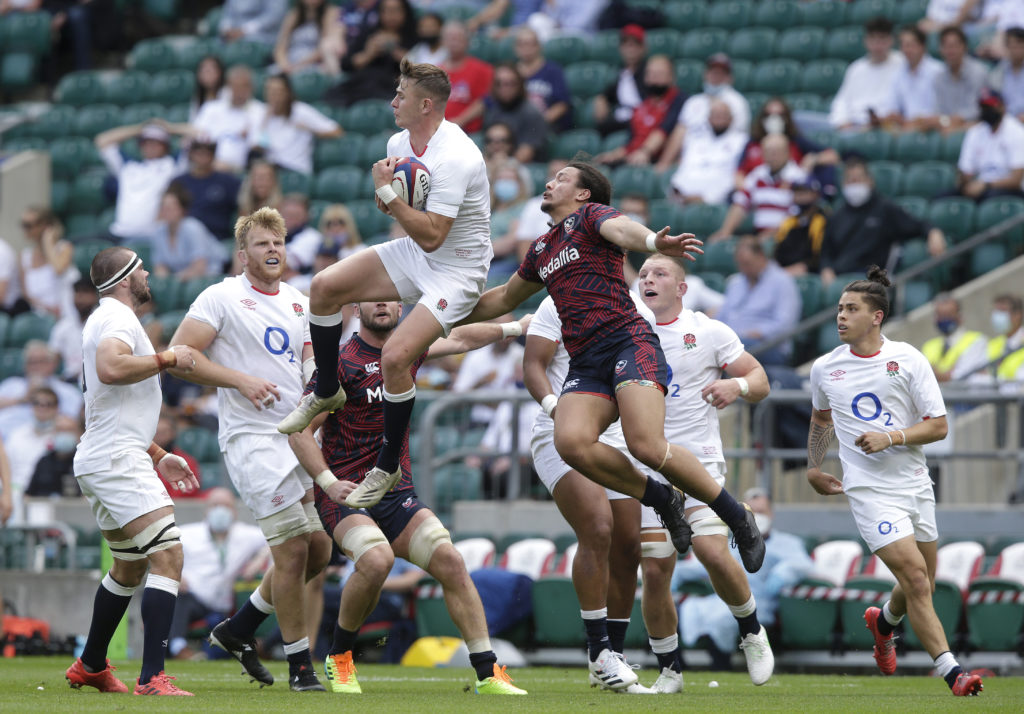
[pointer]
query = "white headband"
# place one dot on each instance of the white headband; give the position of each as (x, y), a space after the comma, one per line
(134, 262)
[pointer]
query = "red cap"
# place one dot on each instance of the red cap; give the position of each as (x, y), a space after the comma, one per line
(633, 32)
(990, 98)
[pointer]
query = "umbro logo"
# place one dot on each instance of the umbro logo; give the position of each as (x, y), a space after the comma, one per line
(837, 376)
(249, 304)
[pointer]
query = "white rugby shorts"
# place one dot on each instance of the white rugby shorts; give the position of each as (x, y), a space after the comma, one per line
(551, 468)
(130, 489)
(649, 517)
(885, 516)
(449, 292)
(265, 472)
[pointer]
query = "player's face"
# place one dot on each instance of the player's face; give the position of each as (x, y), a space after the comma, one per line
(407, 104)
(562, 190)
(856, 319)
(380, 316)
(139, 284)
(264, 255)
(662, 285)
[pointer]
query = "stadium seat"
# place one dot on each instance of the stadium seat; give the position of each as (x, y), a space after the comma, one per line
(556, 612)
(810, 293)
(370, 220)
(835, 289)
(808, 615)
(375, 147)
(664, 41)
(81, 226)
(751, 43)
(78, 89)
(5, 323)
(860, 593)
(863, 10)
(60, 193)
(172, 86)
(836, 561)
(718, 256)
(951, 147)
(799, 43)
(68, 155)
(910, 11)
(996, 210)
(917, 293)
(640, 180)
(664, 212)
(828, 337)
(615, 140)
(310, 86)
(341, 184)
(702, 43)
(87, 192)
(956, 566)
(188, 50)
(684, 15)
(528, 556)
(916, 146)
(432, 618)
(17, 71)
(456, 482)
(476, 552)
(566, 144)
(729, 14)
(165, 289)
(914, 205)
(995, 602)
(95, 118)
(988, 257)
(872, 145)
(27, 32)
(124, 88)
(928, 179)
(603, 47)
(702, 219)
(845, 43)
(252, 54)
(191, 288)
(565, 50)
(369, 116)
(955, 216)
(689, 75)
(888, 176)
(823, 13)
(143, 112)
(152, 55)
(29, 326)
(588, 79)
(779, 14)
(294, 182)
(200, 442)
(822, 77)
(742, 76)
(11, 364)
(54, 123)
(85, 251)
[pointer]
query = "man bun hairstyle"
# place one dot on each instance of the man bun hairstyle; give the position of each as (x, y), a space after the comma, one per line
(430, 79)
(874, 290)
(265, 217)
(591, 178)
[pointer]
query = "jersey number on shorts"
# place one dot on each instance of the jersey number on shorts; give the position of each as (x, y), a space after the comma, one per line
(278, 334)
(875, 409)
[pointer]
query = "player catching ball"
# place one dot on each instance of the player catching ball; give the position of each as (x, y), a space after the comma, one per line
(441, 266)
(882, 401)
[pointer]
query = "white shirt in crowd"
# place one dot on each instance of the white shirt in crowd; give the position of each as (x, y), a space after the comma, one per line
(66, 340)
(695, 111)
(8, 274)
(288, 141)
(459, 189)
(302, 248)
(708, 165)
(211, 567)
(866, 85)
(894, 388)
(913, 90)
(989, 155)
(477, 365)
(140, 186)
(228, 125)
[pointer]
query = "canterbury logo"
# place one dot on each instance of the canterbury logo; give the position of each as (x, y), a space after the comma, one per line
(564, 257)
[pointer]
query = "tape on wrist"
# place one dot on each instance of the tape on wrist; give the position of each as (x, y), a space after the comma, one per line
(549, 403)
(744, 386)
(156, 453)
(511, 329)
(386, 194)
(325, 479)
(173, 457)
(165, 359)
(890, 438)
(904, 435)
(651, 242)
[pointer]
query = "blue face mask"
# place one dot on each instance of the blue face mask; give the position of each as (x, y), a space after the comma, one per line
(946, 326)
(506, 190)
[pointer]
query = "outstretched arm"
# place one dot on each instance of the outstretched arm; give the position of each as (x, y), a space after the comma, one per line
(628, 234)
(472, 337)
(502, 299)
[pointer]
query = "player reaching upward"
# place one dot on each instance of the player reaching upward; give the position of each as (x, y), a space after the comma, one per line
(256, 320)
(616, 366)
(882, 401)
(441, 266)
(399, 524)
(698, 349)
(114, 466)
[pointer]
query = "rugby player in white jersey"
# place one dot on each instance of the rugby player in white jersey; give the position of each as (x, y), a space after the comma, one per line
(698, 349)
(441, 266)
(254, 330)
(881, 400)
(114, 465)
(606, 523)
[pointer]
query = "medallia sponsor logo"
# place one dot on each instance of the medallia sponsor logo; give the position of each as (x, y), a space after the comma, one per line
(564, 257)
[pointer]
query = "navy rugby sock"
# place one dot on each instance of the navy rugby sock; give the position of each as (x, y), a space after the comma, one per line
(325, 340)
(158, 600)
(108, 610)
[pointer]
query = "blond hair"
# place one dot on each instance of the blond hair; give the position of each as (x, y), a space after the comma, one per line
(266, 217)
(430, 79)
(339, 211)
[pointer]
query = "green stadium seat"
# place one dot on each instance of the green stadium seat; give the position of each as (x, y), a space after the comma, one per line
(87, 192)
(615, 140)
(70, 154)
(125, 88)
(208, 25)
(80, 226)
(11, 364)
(718, 256)
(566, 144)
(951, 143)
(851, 609)
(822, 77)
(538, 174)
(800, 43)
(456, 482)
(805, 101)
(143, 112)
(834, 290)
(96, 118)
(779, 14)
(872, 145)
(824, 13)
(689, 75)
(742, 75)
(190, 290)
(369, 117)
(169, 322)
(54, 122)
(588, 79)
(188, 50)
(751, 43)
(5, 323)
(845, 43)
(28, 143)
(806, 620)
(928, 179)
(701, 44)
(702, 219)
(729, 14)
(375, 147)
(775, 77)
(252, 54)
(310, 86)
(565, 50)
(888, 176)
(166, 10)
(955, 216)
(863, 10)
(29, 326)
(684, 15)
(948, 602)
(85, 251)
(665, 212)
(79, 89)
(715, 281)
(60, 193)
(810, 293)
(910, 11)
(556, 612)
(27, 32)
(152, 55)
(828, 337)
(165, 290)
(640, 180)
(342, 151)
(17, 71)
(604, 47)
(996, 210)
(294, 182)
(914, 205)
(200, 443)
(756, 100)
(916, 146)
(458, 12)
(213, 474)
(370, 219)
(664, 41)
(432, 618)
(172, 86)
(917, 293)
(341, 184)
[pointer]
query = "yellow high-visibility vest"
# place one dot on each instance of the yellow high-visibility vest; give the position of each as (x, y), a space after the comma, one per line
(932, 351)
(1010, 365)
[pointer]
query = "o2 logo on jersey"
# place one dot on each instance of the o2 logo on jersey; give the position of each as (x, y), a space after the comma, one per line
(275, 339)
(886, 527)
(892, 369)
(855, 406)
(689, 340)
(619, 366)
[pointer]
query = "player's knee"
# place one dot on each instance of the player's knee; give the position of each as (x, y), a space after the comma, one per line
(915, 582)
(429, 536)
(447, 565)
(395, 358)
(375, 563)
(159, 543)
(648, 449)
(167, 562)
(367, 542)
(129, 572)
(572, 448)
(656, 577)
(319, 554)
(596, 536)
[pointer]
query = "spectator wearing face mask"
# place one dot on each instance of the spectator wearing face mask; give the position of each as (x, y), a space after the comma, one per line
(54, 474)
(707, 170)
(1006, 349)
(864, 229)
(800, 235)
(957, 352)
(29, 442)
(218, 551)
(992, 156)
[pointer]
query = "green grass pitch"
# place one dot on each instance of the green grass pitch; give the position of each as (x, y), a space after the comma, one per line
(36, 684)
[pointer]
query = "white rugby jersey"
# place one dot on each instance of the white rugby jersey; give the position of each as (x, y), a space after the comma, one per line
(697, 349)
(459, 189)
(261, 334)
(118, 417)
(545, 323)
(894, 388)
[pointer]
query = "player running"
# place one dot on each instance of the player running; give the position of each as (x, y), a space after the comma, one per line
(616, 366)
(882, 401)
(697, 349)
(441, 266)
(256, 320)
(399, 524)
(114, 466)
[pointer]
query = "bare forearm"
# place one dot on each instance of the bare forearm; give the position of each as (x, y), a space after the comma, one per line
(209, 373)
(535, 379)
(924, 432)
(472, 337)
(818, 439)
(758, 384)
(128, 369)
(307, 451)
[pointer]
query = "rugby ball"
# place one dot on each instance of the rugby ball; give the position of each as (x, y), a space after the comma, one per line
(412, 182)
